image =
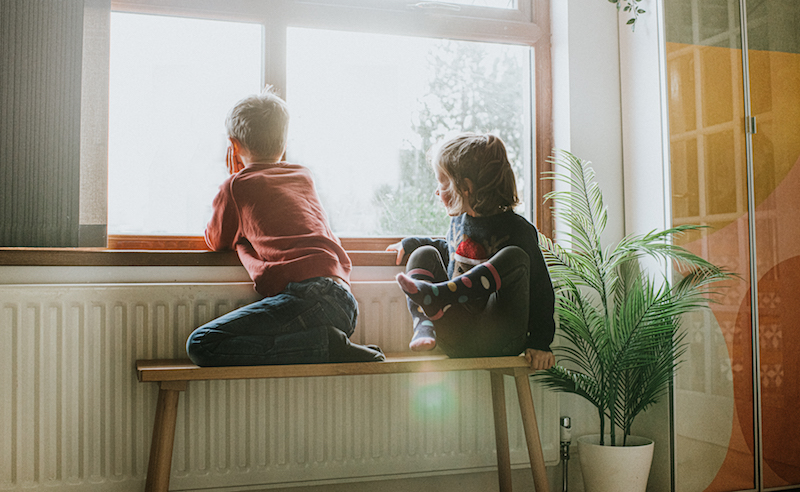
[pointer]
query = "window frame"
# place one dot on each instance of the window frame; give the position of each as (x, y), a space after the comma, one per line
(175, 251)
(528, 25)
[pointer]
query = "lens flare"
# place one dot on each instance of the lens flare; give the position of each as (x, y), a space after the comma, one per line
(434, 396)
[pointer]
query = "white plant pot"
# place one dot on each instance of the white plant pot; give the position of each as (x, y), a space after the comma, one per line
(615, 468)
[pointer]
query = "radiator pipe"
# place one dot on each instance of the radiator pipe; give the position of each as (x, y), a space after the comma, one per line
(566, 439)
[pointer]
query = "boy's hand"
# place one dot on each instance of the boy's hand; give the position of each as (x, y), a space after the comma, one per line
(233, 161)
(400, 253)
(540, 359)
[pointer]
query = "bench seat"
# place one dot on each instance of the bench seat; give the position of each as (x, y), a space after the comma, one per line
(173, 376)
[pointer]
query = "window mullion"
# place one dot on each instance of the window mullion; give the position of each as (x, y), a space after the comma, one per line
(274, 48)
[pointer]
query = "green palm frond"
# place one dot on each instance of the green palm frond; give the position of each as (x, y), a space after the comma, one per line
(561, 379)
(622, 328)
(582, 209)
(645, 385)
(585, 331)
(566, 264)
(657, 244)
(584, 196)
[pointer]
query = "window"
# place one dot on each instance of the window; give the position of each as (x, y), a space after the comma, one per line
(172, 81)
(498, 4)
(370, 86)
(367, 107)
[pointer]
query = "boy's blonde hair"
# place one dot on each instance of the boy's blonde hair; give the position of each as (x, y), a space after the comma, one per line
(260, 123)
(483, 160)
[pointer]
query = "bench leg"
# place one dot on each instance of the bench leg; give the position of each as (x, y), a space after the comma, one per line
(501, 431)
(532, 438)
(163, 441)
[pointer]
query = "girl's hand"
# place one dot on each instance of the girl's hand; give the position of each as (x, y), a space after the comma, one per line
(233, 162)
(400, 253)
(540, 360)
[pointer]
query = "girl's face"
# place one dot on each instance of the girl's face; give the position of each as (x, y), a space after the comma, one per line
(445, 191)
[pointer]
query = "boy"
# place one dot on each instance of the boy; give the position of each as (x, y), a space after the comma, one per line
(269, 212)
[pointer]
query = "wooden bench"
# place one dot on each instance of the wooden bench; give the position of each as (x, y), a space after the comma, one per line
(173, 376)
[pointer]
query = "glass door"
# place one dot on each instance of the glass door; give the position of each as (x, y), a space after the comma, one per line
(735, 143)
(773, 40)
(715, 448)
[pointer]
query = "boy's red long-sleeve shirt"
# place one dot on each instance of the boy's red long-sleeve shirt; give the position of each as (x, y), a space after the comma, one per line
(271, 215)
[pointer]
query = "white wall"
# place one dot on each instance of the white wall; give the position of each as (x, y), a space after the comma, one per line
(644, 121)
(586, 120)
(646, 173)
(586, 95)
(609, 108)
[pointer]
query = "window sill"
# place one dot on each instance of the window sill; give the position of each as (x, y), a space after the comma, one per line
(116, 257)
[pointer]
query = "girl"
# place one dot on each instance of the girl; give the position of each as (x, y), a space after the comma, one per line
(485, 290)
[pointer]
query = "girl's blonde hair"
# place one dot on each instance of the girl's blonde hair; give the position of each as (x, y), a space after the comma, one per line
(483, 160)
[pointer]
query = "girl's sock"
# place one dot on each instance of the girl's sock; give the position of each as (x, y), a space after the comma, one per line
(424, 338)
(436, 298)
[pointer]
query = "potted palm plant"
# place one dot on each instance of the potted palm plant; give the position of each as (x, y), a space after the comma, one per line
(621, 326)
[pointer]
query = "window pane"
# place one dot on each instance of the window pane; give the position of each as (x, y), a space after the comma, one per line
(172, 83)
(366, 108)
(496, 4)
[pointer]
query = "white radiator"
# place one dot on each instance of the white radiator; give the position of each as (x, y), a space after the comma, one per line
(73, 416)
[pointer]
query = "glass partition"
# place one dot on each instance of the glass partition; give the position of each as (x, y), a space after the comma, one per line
(733, 434)
(773, 32)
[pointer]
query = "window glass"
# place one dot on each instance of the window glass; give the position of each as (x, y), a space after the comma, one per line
(172, 81)
(497, 4)
(366, 108)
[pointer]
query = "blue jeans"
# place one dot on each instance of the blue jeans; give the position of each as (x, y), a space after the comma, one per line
(309, 322)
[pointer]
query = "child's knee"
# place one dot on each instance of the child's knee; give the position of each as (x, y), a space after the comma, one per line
(196, 351)
(515, 252)
(428, 258)
(510, 258)
(425, 254)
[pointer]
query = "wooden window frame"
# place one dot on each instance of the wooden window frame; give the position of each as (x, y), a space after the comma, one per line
(530, 25)
(174, 251)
